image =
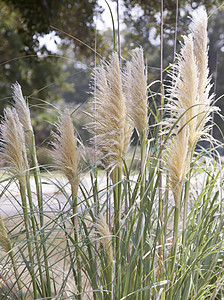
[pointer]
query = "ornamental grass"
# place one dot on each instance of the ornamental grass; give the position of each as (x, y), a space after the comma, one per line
(103, 232)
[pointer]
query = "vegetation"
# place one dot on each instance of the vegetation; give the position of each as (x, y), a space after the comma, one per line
(140, 224)
(24, 57)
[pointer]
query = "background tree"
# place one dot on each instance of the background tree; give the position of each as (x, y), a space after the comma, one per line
(47, 77)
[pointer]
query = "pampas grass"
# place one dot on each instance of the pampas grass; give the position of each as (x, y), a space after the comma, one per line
(23, 112)
(105, 234)
(66, 159)
(190, 93)
(178, 160)
(110, 115)
(135, 86)
(4, 239)
(65, 155)
(189, 107)
(13, 145)
(67, 250)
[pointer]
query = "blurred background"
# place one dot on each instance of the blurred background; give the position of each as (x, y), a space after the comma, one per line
(48, 47)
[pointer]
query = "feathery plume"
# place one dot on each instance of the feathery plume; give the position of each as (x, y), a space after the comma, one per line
(178, 159)
(23, 113)
(185, 88)
(190, 96)
(199, 32)
(135, 87)
(65, 154)
(104, 232)
(4, 239)
(13, 144)
(110, 113)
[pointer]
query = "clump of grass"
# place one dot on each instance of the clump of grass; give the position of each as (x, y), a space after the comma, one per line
(66, 159)
(190, 109)
(78, 251)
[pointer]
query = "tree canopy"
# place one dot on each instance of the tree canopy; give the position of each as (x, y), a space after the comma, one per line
(46, 76)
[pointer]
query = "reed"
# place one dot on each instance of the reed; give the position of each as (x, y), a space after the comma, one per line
(70, 249)
(190, 109)
(66, 159)
(135, 86)
(22, 109)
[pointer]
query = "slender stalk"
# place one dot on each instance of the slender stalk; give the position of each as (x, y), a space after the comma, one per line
(215, 84)
(161, 205)
(4, 239)
(175, 33)
(26, 222)
(36, 242)
(173, 253)
(37, 178)
(142, 194)
(76, 238)
(186, 194)
(16, 275)
(118, 33)
(117, 176)
(95, 147)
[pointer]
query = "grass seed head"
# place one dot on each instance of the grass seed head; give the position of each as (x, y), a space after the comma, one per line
(105, 234)
(178, 159)
(23, 113)
(65, 154)
(109, 129)
(199, 32)
(13, 144)
(190, 99)
(185, 87)
(4, 239)
(135, 87)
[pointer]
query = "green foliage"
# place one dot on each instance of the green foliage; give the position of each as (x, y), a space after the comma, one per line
(37, 17)
(18, 64)
(60, 250)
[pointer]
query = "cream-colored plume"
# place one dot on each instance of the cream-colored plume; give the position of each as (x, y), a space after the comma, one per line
(105, 234)
(109, 129)
(191, 81)
(64, 153)
(23, 113)
(199, 33)
(178, 159)
(185, 88)
(135, 87)
(4, 239)
(190, 100)
(13, 144)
